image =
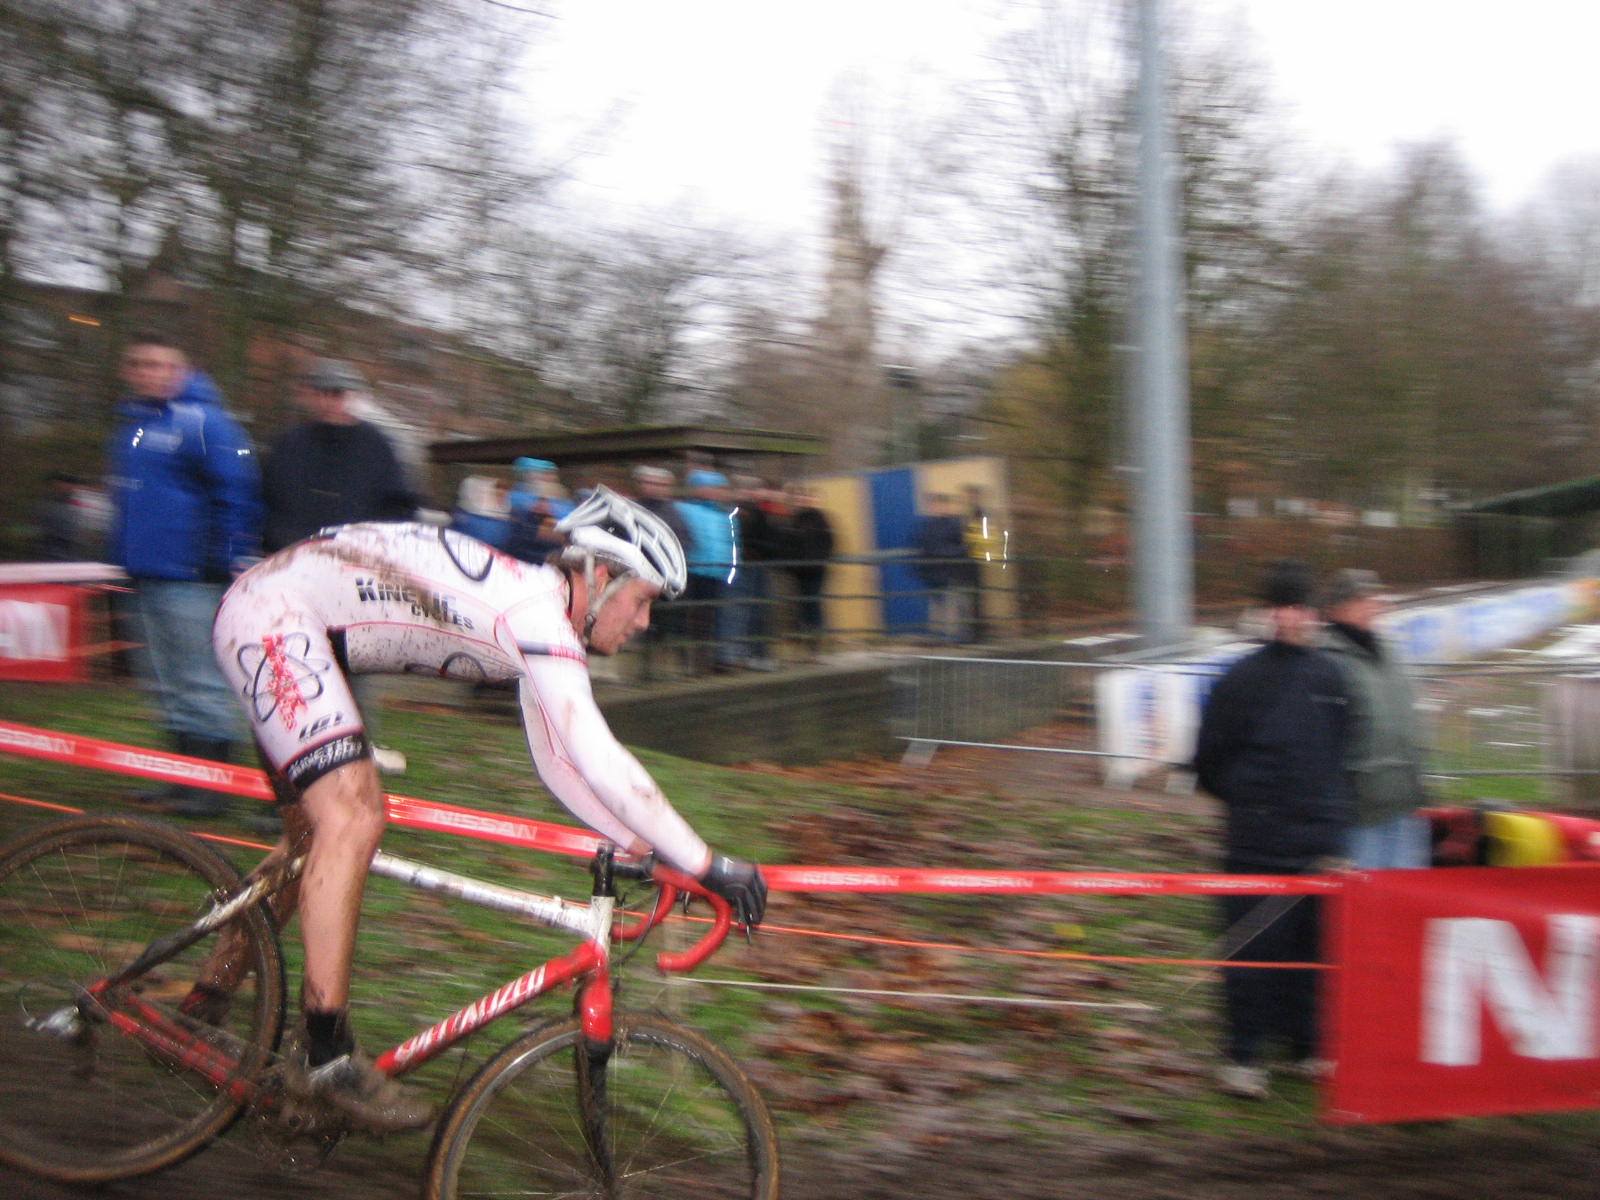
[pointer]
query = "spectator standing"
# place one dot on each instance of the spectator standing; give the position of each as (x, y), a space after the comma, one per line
(985, 544)
(186, 515)
(657, 489)
(945, 569)
(333, 468)
(809, 546)
(748, 635)
(537, 480)
(1385, 756)
(1271, 746)
(536, 503)
(714, 561)
(481, 511)
(58, 527)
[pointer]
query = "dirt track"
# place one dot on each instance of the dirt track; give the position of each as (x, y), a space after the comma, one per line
(1456, 1162)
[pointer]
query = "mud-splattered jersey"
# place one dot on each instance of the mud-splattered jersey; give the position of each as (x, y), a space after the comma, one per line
(408, 598)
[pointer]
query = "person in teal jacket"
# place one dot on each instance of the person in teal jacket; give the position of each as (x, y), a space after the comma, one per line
(714, 561)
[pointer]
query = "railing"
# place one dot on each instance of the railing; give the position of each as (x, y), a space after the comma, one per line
(1514, 730)
(867, 600)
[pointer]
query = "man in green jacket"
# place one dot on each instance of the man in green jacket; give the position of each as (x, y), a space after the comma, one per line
(1384, 756)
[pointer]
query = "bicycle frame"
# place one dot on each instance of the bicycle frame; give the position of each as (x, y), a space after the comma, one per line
(590, 961)
(592, 922)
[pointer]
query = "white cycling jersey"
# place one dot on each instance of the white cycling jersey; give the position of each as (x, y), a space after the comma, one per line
(414, 599)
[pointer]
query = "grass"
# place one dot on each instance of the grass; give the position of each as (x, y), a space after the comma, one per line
(839, 1067)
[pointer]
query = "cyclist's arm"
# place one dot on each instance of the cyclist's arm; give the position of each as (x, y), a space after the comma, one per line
(591, 773)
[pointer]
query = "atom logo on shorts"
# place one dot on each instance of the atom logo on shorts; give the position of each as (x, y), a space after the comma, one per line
(281, 677)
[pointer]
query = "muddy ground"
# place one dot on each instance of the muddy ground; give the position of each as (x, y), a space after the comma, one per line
(917, 1143)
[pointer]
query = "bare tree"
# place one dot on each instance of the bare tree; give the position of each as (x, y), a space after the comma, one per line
(289, 147)
(1411, 337)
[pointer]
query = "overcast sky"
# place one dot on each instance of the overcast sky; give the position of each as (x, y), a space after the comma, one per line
(717, 101)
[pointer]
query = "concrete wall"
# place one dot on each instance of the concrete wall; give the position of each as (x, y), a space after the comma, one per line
(798, 716)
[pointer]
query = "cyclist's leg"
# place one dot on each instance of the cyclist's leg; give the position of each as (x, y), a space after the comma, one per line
(220, 974)
(346, 811)
(345, 808)
(276, 652)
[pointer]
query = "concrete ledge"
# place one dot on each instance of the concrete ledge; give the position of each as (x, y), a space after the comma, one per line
(797, 716)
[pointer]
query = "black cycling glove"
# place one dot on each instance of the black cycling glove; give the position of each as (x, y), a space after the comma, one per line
(741, 885)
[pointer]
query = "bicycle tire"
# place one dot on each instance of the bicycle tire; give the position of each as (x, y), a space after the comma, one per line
(682, 1121)
(78, 900)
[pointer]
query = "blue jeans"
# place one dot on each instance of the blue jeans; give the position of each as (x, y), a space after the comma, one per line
(1403, 841)
(742, 627)
(174, 620)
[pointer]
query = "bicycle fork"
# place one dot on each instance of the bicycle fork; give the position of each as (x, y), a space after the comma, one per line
(592, 1055)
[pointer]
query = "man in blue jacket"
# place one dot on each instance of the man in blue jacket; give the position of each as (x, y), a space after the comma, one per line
(186, 517)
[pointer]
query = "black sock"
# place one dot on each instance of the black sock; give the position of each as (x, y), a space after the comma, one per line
(327, 1035)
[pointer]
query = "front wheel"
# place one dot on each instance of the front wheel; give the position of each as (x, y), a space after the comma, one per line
(671, 1117)
(81, 1101)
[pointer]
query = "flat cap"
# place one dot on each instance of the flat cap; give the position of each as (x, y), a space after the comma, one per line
(331, 375)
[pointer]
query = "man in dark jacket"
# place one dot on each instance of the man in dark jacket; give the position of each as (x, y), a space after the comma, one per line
(1271, 747)
(657, 489)
(942, 564)
(808, 545)
(186, 515)
(333, 468)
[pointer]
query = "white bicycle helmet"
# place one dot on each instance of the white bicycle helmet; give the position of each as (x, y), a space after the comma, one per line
(628, 537)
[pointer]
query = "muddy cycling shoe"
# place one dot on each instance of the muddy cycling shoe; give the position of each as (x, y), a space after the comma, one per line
(350, 1093)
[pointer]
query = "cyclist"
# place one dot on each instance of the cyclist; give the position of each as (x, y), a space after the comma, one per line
(371, 598)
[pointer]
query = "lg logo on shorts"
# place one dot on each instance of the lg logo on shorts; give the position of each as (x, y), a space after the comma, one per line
(321, 725)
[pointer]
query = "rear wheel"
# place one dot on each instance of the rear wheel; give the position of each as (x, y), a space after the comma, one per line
(668, 1116)
(81, 1101)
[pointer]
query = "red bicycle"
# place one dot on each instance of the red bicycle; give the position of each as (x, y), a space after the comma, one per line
(104, 922)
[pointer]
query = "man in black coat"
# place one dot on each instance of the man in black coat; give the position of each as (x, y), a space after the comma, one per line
(333, 468)
(1271, 747)
(945, 570)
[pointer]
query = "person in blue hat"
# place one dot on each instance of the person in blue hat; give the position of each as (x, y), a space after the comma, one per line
(536, 502)
(537, 480)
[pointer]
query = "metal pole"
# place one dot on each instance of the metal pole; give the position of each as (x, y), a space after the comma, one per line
(1163, 549)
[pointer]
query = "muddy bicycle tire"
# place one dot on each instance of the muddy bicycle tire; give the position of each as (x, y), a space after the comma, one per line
(678, 1117)
(78, 900)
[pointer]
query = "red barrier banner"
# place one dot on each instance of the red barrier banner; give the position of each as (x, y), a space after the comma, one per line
(941, 880)
(41, 632)
(80, 751)
(512, 830)
(1466, 992)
